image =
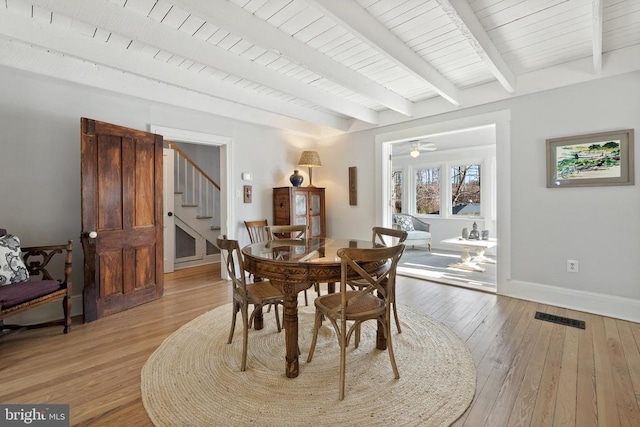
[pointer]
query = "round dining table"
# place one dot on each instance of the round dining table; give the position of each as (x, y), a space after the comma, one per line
(293, 265)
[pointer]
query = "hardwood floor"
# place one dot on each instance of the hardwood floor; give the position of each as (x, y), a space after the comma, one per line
(529, 372)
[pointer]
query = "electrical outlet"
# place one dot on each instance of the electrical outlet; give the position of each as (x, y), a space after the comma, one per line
(573, 266)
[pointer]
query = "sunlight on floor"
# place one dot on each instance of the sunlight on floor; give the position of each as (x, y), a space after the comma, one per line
(435, 266)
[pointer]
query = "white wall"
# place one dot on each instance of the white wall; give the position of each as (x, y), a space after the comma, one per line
(598, 226)
(40, 156)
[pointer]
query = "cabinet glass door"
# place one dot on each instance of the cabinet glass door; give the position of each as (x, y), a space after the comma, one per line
(316, 226)
(315, 204)
(300, 209)
(301, 205)
(315, 214)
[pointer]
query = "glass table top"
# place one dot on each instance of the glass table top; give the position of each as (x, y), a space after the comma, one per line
(314, 250)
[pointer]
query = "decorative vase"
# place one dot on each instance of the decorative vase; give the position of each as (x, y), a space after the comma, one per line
(296, 179)
(465, 233)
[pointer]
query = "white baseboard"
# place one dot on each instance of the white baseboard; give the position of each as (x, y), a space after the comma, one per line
(46, 312)
(590, 302)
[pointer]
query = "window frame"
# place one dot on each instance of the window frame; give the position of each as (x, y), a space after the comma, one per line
(446, 205)
(413, 168)
(450, 166)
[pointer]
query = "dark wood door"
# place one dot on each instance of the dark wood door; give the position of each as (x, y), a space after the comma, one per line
(121, 217)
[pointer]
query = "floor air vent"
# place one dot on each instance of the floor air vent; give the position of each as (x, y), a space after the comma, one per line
(559, 319)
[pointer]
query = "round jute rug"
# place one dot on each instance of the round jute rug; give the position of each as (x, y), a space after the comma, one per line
(194, 377)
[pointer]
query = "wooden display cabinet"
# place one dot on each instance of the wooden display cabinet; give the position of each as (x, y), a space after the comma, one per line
(300, 205)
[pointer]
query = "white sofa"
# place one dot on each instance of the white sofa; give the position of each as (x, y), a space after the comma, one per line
(417, 230)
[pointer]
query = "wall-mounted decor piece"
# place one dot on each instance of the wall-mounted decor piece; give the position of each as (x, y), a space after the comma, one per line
(595, 159)
(353, 185)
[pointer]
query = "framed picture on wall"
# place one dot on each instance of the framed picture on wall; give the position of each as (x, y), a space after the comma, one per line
(595, 159)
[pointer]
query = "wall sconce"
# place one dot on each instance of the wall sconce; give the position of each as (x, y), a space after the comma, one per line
(311, 159)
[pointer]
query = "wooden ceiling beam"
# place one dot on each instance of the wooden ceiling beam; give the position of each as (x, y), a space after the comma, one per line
(464, 18)
(596, 31)
(237, 21)
(116, 19)
(358, 21)
(30, 58)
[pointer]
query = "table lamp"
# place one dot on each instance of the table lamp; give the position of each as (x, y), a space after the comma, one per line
(311, 159)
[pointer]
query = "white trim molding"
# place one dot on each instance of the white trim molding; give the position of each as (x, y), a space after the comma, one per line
(590, 302)
(227, 206)
(192, 137)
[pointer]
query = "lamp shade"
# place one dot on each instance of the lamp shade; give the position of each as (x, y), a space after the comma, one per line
(310, 159)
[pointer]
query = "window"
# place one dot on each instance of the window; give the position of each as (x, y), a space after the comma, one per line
(465, 190)
(428, 191)
(397, 182)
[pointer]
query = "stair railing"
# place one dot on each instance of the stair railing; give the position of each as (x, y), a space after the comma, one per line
(197, 187)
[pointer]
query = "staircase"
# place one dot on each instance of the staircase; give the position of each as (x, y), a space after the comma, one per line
(196, 212)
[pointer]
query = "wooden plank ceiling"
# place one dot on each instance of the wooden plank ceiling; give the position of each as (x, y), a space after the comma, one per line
(319, 67)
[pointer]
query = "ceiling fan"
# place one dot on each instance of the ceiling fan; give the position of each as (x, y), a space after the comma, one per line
(416, 147)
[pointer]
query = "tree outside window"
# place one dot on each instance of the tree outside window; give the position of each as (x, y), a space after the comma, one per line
(397, 179)
(428, 191)
(465, 190)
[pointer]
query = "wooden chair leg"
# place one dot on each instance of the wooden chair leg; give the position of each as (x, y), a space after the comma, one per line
(392, 357)
(395, 314)
(316, 327)
(245, 337)
(343, 361)
(66, 307)
(235, 308)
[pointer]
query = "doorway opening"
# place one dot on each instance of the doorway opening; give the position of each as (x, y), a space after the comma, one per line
(195, 198)
(450, 176)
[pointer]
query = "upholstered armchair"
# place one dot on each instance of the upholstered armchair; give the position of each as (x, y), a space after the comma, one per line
(26, 283)
(418, 231)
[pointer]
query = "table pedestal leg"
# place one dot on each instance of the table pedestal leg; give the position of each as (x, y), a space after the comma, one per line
(381, 341)
(258, 320)
(481, 258)
(466, 262)
(291, 333)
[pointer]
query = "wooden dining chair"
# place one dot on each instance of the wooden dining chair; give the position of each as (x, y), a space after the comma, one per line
(378, 237)
(286, 231)
(259, 294)
(299, 231)
(358, 306)
(257, 230)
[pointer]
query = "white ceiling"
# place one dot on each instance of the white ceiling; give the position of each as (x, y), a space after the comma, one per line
(320, 67)
(481, 136)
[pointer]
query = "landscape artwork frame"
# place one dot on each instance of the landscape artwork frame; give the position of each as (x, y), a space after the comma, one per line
(596, 159)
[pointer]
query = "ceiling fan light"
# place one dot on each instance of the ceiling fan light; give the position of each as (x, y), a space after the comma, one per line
(414, 152)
